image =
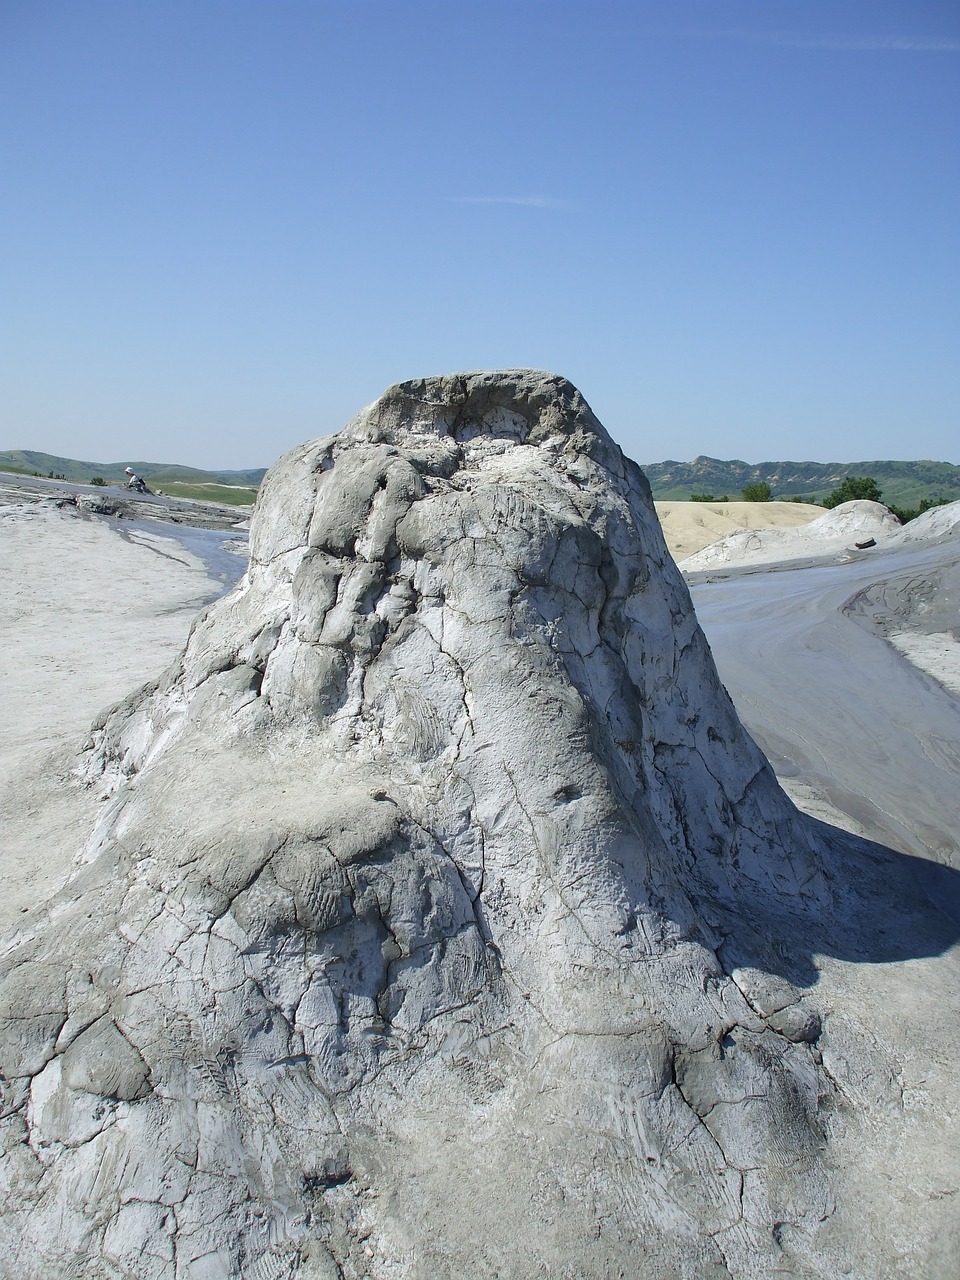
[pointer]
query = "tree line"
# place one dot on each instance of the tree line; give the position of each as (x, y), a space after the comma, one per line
(853, 488)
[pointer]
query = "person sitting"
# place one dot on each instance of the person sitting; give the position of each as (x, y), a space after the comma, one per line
(134, 482)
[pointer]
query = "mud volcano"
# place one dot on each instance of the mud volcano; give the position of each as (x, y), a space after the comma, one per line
(442, 919)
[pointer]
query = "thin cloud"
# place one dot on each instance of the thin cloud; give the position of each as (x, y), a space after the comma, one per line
(856, 44)
(912, 44)
(531, 202)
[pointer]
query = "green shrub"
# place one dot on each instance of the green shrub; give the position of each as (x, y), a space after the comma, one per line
(854, 489)
(759, 492)
(906, 514)
(98, 481)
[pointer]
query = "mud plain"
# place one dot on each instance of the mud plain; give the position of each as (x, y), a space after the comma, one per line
(816, 657)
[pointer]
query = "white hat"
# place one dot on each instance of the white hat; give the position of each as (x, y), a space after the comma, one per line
(129, 470)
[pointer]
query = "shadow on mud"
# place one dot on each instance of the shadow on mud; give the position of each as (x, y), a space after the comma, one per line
(887, 907)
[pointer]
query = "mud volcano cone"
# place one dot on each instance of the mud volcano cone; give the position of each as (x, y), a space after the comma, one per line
(423, 933)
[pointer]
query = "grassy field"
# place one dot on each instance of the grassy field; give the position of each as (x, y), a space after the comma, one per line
(21, 471)
(229, 494)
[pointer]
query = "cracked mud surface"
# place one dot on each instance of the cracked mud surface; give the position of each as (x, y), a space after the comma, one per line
(441, 918)
(871, 744)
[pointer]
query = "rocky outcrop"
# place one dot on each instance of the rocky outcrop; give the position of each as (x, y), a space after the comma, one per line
(442, 919)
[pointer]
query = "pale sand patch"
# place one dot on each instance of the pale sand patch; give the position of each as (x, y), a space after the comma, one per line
(815, 802)
(937, 654)
(690, 526)
(87, 614)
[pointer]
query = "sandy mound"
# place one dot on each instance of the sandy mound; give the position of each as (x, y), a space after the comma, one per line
(829, 534)
(688, 527)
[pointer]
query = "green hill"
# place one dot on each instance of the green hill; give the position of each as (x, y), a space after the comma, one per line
(902, 483)
(233, 487)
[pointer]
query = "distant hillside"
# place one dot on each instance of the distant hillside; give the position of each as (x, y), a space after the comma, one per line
(183, 482)
(902, 483)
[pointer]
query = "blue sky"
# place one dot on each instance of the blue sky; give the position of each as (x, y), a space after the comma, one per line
(226, 225)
